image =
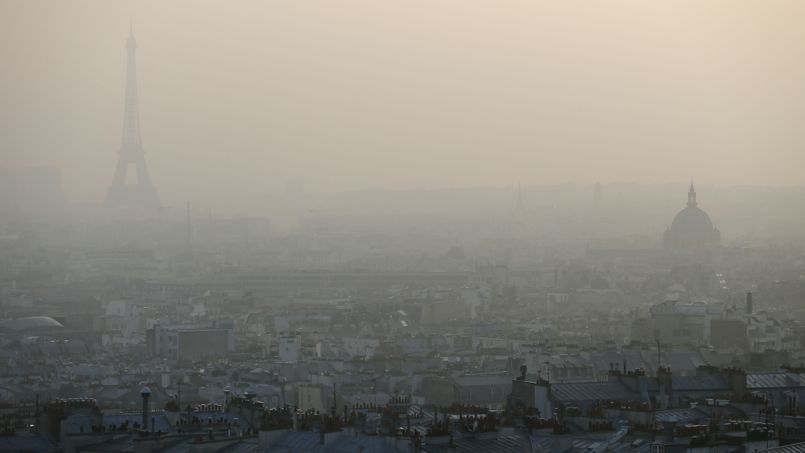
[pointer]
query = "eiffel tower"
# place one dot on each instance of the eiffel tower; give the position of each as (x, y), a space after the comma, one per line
(141, 193)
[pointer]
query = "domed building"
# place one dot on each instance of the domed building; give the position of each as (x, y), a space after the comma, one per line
(691, 228)
(30, 324)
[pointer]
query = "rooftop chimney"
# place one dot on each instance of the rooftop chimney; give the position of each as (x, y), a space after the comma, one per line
(668, 427)
(145, 393)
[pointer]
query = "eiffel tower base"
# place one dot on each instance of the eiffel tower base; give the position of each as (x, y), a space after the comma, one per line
(132, 195)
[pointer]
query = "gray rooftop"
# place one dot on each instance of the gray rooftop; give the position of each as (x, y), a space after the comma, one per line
(774, 380)
(592, 391)
(790, 448)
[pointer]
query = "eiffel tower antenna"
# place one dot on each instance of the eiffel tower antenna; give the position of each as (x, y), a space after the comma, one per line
(141, 193)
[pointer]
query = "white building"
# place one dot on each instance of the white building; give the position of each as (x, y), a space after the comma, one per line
(290, 347)
(185, 342)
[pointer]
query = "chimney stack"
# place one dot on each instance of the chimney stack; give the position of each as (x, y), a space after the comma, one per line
(749, 307)
(668, 427)
(145, 393)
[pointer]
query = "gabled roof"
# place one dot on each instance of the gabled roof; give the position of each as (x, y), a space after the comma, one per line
(790, 448)
(699, 383)
(297, 441)
(499, 444)
(244, 446)
(361, 443)
(681, 415)
(469, 380)
(680, 361)
(121, 443)
(774, 380)
(592, 391)
(27, 443)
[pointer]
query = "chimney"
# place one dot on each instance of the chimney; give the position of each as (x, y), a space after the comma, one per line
(145, 393)
(665, 381)
(737, 381)
(749, 303)
(668, 427)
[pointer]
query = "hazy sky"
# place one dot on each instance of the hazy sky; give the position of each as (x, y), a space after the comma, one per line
(245, 96)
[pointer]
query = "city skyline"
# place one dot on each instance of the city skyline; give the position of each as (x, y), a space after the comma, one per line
(402, 226)
(300, 117)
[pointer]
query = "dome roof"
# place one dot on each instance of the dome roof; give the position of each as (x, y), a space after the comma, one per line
(691, 228)
(30, 323)
(692, 220)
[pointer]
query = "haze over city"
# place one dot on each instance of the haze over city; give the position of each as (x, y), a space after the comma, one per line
(402, 226)
(247, 99)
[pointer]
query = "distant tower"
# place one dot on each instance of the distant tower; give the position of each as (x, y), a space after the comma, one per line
(598, 195)
(691, 196)
(141, 193)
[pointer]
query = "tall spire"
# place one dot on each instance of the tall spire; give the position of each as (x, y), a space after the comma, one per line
(131, 112)
(692, 195)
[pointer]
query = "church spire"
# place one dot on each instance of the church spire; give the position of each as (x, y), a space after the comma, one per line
(692, 196)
